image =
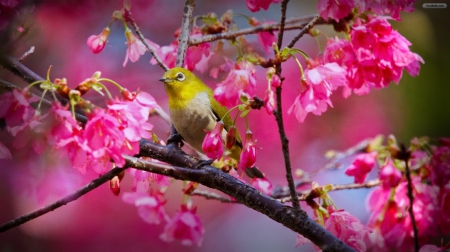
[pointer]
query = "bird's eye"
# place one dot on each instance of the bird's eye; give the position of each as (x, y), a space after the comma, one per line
(180, 76)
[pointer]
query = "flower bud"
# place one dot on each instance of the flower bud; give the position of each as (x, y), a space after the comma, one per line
(231, 137)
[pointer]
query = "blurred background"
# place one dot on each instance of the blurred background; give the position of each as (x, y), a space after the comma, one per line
(100, 221)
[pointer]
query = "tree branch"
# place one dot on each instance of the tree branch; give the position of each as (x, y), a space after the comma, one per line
(61, 202)
(279, 117)
(410, 208)
(294, 219)
(183, 42)
(304, 30)
(142, 38)
(214, 196)
(291, 24)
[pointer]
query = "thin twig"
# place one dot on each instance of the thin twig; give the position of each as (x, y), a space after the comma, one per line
(279, 118)
(410, 209)
(333, 163)
(142, 38)
(291, 24)
(183, 40)
(26, 54)
(61, 202)
(304, 30)
(214, 196)
(303, 194)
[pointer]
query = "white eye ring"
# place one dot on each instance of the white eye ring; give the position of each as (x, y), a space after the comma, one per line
(180, 76)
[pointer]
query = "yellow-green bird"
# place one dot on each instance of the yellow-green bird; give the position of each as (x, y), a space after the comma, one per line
(194, 110)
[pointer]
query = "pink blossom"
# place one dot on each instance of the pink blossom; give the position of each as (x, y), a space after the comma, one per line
(256, 5)
(393, 219)
(4, 152)
(263, 185)
(185, 226)
(269, 101)
(390, 175)
(240, 81)
(348, 228)
(301, 240)
(195, 53)
(318, 84)
(105, 140)
(168, 55)
(33, 132)
(212, 143)
(248, 154)
(440, 163)
(150, 205)
(386, 7)
(275, 81)
(135, 47)
(96, 43)
(265, 38)
(335, 9)
(362, 165)
(15, 108)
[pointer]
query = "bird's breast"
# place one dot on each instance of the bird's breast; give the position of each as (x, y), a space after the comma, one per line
(194, 119)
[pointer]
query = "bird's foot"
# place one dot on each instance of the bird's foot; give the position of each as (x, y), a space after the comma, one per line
(201, 163)
(175, 140)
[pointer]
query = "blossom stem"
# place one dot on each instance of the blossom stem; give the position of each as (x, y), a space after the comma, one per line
(304, 31)
(410, 209)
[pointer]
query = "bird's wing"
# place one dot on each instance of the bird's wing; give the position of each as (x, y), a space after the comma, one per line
(221, 111)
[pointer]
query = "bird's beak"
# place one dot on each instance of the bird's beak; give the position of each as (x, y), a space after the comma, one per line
(165, 80)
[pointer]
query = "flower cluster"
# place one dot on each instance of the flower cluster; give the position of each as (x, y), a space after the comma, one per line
(340, 9)
(106, 135)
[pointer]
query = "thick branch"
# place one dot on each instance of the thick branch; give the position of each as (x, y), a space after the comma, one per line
(61, 202)
(183, 42)
(294, 219)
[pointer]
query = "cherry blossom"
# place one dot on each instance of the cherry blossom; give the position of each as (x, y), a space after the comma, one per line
(248, 154)
(15, 108)
(440, 163)
(256, 5)
(97, 43)
(335, 9)
(390, 175)
(135, 47)
(264, 185)
(185, 226)
(317, 85)
(265, 38)
(212, 143)
(150, 205)
(240, 81)
(362, 165)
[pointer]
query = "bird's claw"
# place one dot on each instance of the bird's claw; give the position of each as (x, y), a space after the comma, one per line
(175, 139)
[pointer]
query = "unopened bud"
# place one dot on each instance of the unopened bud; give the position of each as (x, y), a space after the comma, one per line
(231, 137)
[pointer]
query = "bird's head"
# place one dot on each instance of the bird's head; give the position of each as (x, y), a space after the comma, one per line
(181, 83)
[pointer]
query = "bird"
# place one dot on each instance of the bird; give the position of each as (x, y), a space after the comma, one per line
(194, 111)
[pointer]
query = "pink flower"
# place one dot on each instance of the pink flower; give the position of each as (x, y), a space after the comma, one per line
(105, 140)
(185, 226)
(135, 47)
(430, 248)
(335, 9)
(195, 53)
(262, 185)
(150, 205)
(362, 165)
(390, 175)
(4, 152)
(386, 7)
(440, 163)
(168, 55)
(212, 143)
(318, 84)
(248, 154)
(269, 101)
(265, 38)
(393, 219)
(15, 108)
(255, 5)
(240, 81)
(96, 43)
(301, 240)
(347, 228)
